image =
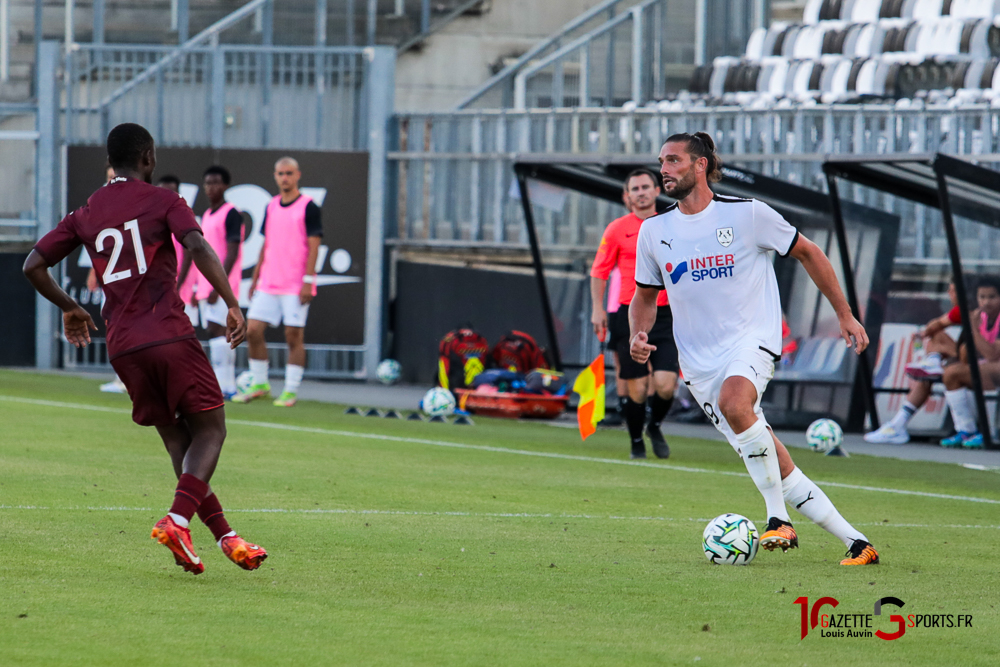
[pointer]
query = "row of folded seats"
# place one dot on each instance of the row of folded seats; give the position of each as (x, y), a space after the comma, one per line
(871, 10)
(977, 37)
(834, 79)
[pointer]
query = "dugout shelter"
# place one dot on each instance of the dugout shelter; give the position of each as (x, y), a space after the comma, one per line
(958, 189)
(820, 377)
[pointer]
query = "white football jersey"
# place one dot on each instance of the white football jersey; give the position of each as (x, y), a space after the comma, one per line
(717, 268)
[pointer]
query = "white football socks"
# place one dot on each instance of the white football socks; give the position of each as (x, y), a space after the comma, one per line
(761, 459)
(802, 493)
(960, 404)
(293, 377)
(223, 363)
(902, 417)
(259, 369)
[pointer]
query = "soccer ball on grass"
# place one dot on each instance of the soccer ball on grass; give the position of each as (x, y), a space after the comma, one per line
(730, 539)
(823, 435)
(438, 402)
(244, 381)
(388, 371)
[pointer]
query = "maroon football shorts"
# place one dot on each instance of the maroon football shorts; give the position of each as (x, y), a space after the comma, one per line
(168, 381)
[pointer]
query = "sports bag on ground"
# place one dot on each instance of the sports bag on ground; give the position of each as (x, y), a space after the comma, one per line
(462, 355)
(518, 352)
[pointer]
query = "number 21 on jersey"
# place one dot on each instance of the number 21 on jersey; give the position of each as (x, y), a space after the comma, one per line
(110, 275)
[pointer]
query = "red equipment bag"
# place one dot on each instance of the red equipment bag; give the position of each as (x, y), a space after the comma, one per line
(461, 357)
(518, 352)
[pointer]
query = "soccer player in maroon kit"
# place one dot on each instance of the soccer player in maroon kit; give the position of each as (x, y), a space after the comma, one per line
(126, 228)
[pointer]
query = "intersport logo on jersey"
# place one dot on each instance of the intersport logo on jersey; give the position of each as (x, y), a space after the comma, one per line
(709, 267)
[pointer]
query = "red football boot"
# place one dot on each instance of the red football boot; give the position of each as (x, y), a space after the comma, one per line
(178, 540)
(246, 555)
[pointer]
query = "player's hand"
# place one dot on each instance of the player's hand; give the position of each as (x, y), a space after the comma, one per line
(213, 297)
(77, 324)
(236, 327)
(853, 333)
(306, 293)
(599, 318)
(92, 280)
(932, 329)
(640, 348)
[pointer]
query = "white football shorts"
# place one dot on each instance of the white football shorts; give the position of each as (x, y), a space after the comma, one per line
(278, 309)
(192, 313)
(755, 365)
(212, 312)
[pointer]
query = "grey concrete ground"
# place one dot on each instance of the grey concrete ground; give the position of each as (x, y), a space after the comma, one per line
(407, 397)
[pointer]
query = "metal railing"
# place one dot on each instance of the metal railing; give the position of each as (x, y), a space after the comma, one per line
(619, 51)
(225, 96)
(454, 170)
(19, 147)
(498, 91)
(611, 84)
(323, 362)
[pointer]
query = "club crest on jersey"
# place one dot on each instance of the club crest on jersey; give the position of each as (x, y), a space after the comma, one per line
(725, 236)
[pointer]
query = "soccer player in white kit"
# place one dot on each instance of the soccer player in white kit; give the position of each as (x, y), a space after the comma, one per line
(713, 255)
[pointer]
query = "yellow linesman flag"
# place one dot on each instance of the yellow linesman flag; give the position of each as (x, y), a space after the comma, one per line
(590, 386)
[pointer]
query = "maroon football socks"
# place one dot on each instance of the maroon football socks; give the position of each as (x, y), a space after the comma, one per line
(210, 513)
(190, 493)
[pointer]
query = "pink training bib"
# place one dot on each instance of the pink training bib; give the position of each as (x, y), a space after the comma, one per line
(989, 333)
(286, 247)
(213, 226)
(187, 289)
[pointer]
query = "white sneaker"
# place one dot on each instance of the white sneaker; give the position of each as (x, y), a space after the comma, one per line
(927, 369)
(116, 386)
(888, 435)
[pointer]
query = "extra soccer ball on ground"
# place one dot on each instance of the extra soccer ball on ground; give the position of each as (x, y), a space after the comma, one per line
(244, 381)
(730, 539)
(438, 402)
(388, 371)
(823, 435)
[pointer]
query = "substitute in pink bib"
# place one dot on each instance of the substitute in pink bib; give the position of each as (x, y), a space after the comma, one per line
(283, 283)
(286, 246)
(222, 226)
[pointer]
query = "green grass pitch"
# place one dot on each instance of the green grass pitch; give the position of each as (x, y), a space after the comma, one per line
(395, 542)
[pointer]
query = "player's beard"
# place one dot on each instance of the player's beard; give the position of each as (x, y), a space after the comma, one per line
(684, 186)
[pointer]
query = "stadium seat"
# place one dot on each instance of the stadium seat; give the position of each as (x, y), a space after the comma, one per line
(923, 9)
(891, 9)
(810, 14)
(755, 45)
(924, 51)
(861, 11)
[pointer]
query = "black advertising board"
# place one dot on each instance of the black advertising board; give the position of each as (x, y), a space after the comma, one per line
(336, 181)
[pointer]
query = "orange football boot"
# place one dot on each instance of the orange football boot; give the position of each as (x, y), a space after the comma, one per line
(861, 553)
(779, 534)
(246, 555)
(178, 540)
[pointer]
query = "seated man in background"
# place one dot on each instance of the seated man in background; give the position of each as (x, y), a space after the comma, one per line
(941, 350)
(957, 377)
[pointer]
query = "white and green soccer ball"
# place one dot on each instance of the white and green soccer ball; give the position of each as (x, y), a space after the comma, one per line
(388, 371)
(823, 435)
(244, 381)
(730, 539)
(438, 402)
